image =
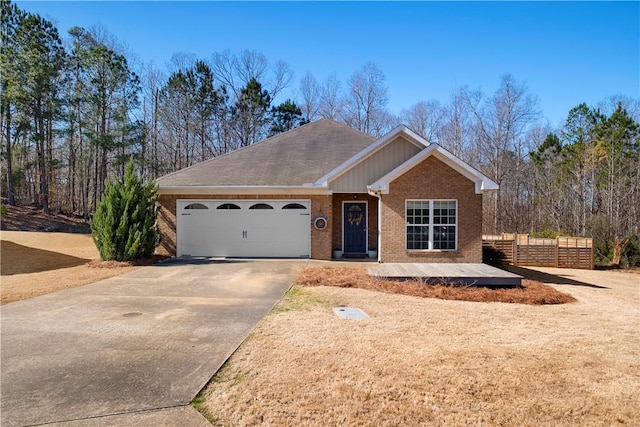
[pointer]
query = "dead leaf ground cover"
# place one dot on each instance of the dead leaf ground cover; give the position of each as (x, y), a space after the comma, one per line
(38, 263)
(532, 292)
(426, 361)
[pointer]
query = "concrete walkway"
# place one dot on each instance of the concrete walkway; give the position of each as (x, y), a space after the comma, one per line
(134, 349)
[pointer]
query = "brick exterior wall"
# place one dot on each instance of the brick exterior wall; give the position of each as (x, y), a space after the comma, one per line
(432, 179)
(320, 205)
(372, 218)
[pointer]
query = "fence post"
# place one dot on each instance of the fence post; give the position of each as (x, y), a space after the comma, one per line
(557, 250)
(515, 251)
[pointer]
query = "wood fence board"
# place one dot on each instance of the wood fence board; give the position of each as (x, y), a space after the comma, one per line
(564, 252)
(537, 255)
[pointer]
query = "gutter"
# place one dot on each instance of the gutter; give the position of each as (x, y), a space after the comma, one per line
(377, 194)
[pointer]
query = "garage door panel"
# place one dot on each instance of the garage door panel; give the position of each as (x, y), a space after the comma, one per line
(195, 235)
(245, 232)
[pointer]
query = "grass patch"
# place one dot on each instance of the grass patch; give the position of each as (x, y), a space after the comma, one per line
(531, 292)
(199, 402)
(298, 298)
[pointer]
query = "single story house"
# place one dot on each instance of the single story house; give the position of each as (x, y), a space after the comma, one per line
(323, 191)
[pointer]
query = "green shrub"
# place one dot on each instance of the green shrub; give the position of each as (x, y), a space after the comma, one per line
(124, 224)
(3, 210)
(631, 252)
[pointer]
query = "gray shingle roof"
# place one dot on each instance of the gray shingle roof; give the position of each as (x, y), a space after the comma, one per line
(297, 157)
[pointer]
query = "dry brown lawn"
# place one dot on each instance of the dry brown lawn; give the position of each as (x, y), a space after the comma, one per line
(433, 362)
(37, 263)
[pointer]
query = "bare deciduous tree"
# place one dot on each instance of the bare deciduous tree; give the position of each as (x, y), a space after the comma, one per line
(456, 132)
(331, 98)
(235, 71)
(425, 118)
(310, 92)
(500, 124)
(366, 97)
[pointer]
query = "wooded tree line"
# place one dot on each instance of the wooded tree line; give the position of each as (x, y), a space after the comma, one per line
(74, 109)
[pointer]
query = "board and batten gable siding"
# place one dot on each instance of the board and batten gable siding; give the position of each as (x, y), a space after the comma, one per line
(429, 180)
(377, 165)
(321, 205)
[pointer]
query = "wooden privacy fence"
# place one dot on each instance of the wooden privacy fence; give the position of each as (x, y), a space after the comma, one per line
(522, 250)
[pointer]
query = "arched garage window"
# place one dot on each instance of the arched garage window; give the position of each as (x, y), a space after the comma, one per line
(228, 206)
(261, 206)
(293, 206)
(196, 206)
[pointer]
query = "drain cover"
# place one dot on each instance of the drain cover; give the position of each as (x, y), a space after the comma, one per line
(132, 314)
(350, 313)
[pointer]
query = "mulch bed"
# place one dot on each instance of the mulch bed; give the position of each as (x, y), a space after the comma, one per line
(531, 292)
(118, 264)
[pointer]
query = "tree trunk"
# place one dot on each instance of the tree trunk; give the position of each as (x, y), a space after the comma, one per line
(42, 166)
(49, 153)
(154, 138)
(10, 194)
(618, 246)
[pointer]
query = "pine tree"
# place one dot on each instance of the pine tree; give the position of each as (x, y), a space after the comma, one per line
(286, 116)
(124, 224)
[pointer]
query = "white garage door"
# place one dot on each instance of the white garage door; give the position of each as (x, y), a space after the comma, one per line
(244, 228)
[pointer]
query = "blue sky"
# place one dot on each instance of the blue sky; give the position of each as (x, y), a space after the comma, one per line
(566, 52)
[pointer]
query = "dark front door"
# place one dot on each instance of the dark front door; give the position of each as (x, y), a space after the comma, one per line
(354, 226)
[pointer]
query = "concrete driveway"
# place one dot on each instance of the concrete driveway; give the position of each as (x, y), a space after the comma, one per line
(133, 349)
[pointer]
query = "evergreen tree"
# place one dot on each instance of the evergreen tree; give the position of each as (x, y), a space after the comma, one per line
(124, 224)
(250, 113)
(286, 116)
(31, 63)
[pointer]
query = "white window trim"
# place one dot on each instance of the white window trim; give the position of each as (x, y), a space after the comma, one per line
(430, 225)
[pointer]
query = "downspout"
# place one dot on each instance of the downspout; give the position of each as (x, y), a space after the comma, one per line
(377, 194)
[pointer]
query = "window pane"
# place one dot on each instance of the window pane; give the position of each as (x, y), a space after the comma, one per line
(261, 206)
(293, 206)
(444, 212)
(417, 219)
(228, 206)
(417, 237)
(196, 206)
(444, 237)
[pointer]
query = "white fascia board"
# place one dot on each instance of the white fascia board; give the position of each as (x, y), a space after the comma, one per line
(482, 183)
(372, 149)
(242, 189)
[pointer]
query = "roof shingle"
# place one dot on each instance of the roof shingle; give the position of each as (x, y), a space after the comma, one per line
(293, 158)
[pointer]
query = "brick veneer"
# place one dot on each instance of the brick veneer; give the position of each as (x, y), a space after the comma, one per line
(372, 217)
(320, 205)
(432, 179)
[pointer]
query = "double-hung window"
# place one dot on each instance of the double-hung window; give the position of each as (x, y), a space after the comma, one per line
(432, 225)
